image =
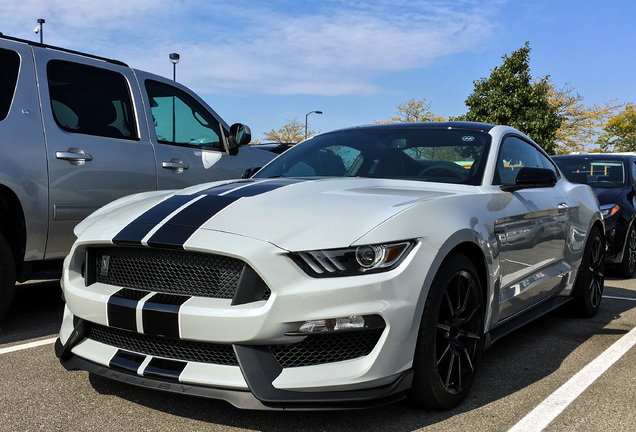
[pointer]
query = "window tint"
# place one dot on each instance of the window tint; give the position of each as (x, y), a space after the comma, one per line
(90, 100)
(409, 153)
(10, 62)
(180, 119)
(595, 172)
(516, 154)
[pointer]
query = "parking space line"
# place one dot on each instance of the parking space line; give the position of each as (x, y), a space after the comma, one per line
(619, 298)
(27, 345)
(540, 417)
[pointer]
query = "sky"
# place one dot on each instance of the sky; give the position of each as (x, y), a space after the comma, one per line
(264, 63)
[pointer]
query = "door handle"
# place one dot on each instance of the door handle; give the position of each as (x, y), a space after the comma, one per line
(74, 155)
(563, 208)
(176, 165)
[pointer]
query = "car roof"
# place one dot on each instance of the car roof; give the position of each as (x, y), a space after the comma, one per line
(70, 51)
(483, 127)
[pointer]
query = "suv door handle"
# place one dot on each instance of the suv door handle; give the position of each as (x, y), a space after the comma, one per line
(176, 165)
(74, 155)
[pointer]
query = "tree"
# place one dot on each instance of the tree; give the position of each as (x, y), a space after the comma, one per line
(510, 97)
(293, 132)
(619, 134)
(580, 126)
(413, 111)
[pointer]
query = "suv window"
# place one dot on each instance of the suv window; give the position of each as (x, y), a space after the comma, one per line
(90, 100)
(179, 119)
(516, 154)
(10, 62)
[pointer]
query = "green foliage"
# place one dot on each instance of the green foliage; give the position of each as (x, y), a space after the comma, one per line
(619, 134)
(510, 97)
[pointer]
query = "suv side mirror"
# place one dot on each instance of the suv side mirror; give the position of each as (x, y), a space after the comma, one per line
(250, 172)
(529, 177)
(240, 135)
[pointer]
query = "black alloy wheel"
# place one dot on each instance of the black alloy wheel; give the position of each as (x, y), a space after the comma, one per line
(590, 281)
(628, 264)
(450, 341)
(7, 276)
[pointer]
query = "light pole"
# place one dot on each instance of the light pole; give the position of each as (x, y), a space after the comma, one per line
(307, 115)
(174, 59)
(38, 29)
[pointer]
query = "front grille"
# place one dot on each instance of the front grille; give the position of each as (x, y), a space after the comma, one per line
(170, 271)
(170, 348)
(326, 348)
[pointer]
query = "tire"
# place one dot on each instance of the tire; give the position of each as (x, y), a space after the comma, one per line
(451, 337)
(628, 264)
(588, 288)
(7, 276)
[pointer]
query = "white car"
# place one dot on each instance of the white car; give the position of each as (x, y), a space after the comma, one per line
(360, 267)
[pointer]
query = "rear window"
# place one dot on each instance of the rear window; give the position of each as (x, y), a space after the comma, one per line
(595, 172)
(90, 100)
(10, 62)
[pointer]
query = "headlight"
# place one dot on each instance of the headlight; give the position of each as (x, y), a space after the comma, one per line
(353, 260)
(609, 210)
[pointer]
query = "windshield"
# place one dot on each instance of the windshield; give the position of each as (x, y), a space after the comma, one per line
(426, 154)
(598, 173)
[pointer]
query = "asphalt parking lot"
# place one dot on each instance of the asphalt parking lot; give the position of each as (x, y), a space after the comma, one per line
(554, 371)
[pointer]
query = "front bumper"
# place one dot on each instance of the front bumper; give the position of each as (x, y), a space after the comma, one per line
(250, 333)
(258, 366)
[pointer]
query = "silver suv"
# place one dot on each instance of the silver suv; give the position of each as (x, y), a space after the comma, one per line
(78, 131)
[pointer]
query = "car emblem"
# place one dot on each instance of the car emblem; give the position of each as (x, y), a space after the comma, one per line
(468, 138)
(103, 271)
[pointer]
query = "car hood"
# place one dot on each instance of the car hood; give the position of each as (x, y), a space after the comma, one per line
(607, 196)
(293, 214)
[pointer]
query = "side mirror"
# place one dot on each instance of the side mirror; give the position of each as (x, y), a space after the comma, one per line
(532, 178)
(250, 172)
(240, 135)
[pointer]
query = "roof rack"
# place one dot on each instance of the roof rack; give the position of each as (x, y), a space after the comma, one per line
(28, 42)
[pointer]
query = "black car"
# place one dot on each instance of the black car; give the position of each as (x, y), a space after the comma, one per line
(613, 179)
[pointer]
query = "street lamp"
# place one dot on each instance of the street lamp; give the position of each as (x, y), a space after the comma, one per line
(38, 29)
(174, 59)
(307, 115)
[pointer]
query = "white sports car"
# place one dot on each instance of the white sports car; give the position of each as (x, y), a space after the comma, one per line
(360, 267)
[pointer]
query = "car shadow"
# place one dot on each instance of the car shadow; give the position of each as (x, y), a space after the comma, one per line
(517, 361)
(36, 311)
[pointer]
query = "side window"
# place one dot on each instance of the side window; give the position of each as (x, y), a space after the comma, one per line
(90, 100)
(179, 119)
(514, 155)
(10, 62)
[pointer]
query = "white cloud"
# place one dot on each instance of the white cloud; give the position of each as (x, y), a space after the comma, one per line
(275, 47)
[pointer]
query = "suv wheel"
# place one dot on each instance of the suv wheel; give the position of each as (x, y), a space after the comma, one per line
(7, 276)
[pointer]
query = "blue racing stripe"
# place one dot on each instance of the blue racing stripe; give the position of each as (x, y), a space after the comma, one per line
(160, 315)
(126, 361)
(205, 204)
(164, 369)
(178, 230)
(121, 309)
(133, 233)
